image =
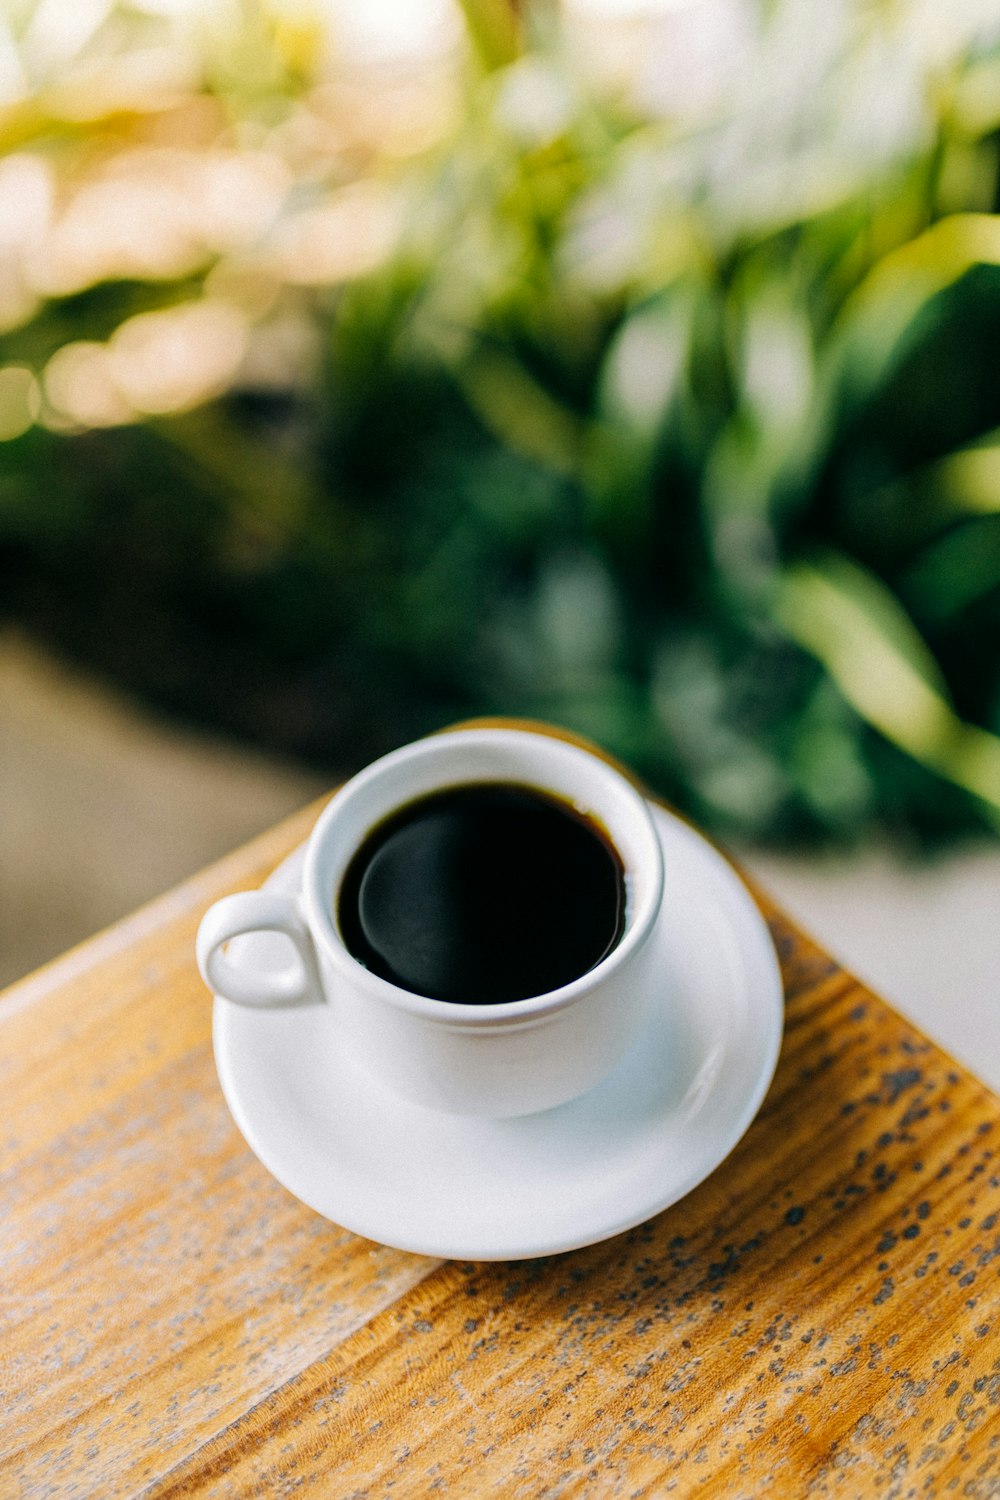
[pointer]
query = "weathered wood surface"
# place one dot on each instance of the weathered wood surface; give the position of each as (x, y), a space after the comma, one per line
(820, 1317)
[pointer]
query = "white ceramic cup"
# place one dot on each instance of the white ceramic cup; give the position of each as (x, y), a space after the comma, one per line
(508, 1059)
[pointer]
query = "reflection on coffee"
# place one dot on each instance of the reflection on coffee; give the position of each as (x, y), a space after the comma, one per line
(482, 894)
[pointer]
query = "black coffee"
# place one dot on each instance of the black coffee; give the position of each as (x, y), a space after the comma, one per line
(482, 894)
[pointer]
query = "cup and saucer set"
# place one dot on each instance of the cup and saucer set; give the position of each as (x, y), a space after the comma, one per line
(488, 1127)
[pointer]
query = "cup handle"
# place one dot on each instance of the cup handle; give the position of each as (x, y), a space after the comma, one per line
(258, 911)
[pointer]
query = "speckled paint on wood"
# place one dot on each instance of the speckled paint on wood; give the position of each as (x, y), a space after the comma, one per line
(819, 1317)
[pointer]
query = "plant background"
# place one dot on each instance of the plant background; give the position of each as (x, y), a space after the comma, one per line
(635, 370)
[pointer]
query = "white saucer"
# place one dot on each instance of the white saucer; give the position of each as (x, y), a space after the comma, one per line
(483, 1189)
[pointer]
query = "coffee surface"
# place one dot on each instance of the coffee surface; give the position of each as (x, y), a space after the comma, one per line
(482, 894)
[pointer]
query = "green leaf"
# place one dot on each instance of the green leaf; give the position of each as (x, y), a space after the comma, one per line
(519, 411)
(878, 659)
(878, 315)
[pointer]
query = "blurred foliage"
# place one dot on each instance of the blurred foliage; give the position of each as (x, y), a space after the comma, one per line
(633, 372)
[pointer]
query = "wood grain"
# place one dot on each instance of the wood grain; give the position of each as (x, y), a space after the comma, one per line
(820, 1317)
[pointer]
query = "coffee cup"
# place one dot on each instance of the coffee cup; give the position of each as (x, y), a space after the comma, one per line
(470, 1053)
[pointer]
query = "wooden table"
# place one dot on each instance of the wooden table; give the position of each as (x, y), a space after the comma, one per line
(820, 1317)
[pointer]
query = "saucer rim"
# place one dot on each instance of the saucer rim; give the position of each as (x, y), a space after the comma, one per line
(743, 918)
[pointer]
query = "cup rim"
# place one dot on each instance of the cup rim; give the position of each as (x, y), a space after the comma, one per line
(320, 905)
